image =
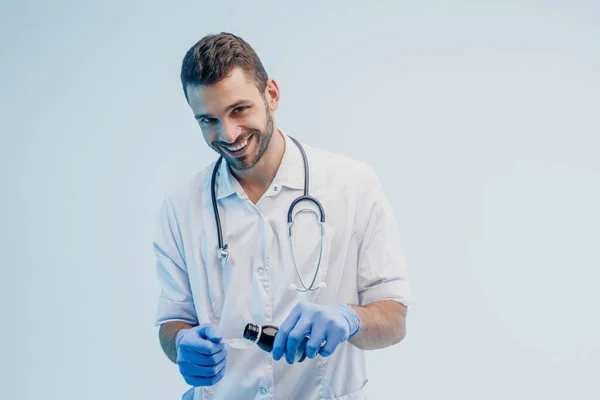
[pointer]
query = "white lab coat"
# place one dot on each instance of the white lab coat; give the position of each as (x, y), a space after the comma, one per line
(362, 263)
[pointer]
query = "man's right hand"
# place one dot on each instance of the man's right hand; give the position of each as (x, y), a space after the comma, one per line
(201, 355)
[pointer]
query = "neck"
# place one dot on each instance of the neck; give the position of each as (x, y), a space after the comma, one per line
(258, 178)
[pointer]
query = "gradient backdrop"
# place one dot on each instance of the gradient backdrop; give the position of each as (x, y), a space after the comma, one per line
(481, 118)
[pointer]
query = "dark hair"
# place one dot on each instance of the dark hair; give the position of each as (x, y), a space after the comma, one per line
(214, 56)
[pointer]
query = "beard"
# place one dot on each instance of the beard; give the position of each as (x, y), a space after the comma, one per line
(261, 140)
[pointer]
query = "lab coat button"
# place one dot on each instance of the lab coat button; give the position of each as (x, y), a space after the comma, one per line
(260, 271)
(263, 390)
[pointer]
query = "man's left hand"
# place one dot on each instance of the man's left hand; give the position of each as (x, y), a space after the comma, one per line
(333, 323)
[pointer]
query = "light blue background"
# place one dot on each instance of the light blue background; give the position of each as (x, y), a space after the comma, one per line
(481, 118)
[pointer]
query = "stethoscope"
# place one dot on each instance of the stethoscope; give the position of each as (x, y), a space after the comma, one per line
(223, 251)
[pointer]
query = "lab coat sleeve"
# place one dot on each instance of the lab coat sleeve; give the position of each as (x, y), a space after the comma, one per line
(382, 271)
(175, 301)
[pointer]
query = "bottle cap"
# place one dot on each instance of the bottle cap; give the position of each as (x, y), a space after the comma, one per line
(252, 332)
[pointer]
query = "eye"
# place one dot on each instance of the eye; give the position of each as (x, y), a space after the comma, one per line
(207, 121)
(239, 109)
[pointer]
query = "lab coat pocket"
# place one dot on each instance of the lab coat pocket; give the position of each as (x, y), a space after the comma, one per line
(360, 394)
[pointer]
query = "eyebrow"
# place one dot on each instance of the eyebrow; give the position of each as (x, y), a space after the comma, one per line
(231, 107)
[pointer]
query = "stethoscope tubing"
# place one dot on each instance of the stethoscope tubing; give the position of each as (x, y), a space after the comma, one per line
(224, 248)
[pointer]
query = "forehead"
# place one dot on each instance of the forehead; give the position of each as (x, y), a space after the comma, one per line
(237, 85)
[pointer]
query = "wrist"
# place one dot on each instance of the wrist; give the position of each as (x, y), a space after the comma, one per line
(352, 319)
(178, 338)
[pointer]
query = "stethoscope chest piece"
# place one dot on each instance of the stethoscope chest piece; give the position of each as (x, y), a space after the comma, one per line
(224, 254)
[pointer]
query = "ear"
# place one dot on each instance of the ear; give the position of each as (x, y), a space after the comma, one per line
(272, 94)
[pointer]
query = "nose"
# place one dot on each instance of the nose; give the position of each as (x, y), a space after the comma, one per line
(229, 132)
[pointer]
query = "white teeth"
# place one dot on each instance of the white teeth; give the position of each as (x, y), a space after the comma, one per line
(237, 148)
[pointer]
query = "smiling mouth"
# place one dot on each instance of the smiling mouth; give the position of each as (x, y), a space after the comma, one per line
(238, 148)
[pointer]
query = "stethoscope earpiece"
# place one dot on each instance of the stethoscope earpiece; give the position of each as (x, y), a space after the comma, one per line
(321, 285)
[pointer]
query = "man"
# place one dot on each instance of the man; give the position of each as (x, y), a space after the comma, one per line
(346, 290)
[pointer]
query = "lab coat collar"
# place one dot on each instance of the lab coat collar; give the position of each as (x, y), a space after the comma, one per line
(291, 169)
(226, 181)
(290, 172)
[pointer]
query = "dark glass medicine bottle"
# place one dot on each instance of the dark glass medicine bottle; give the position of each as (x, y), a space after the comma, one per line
(264, 336)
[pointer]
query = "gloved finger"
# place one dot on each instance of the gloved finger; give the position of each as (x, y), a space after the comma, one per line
(213, 380)
(199, 345)
(187, 355)
(296, 335)
(330, 346)
(211, 332)
(205, 380)
(281, 336)
(317, 337)
(189, 369)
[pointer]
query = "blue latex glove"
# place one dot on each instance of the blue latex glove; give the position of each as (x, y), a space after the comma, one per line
(334, 323)
(201, 356)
